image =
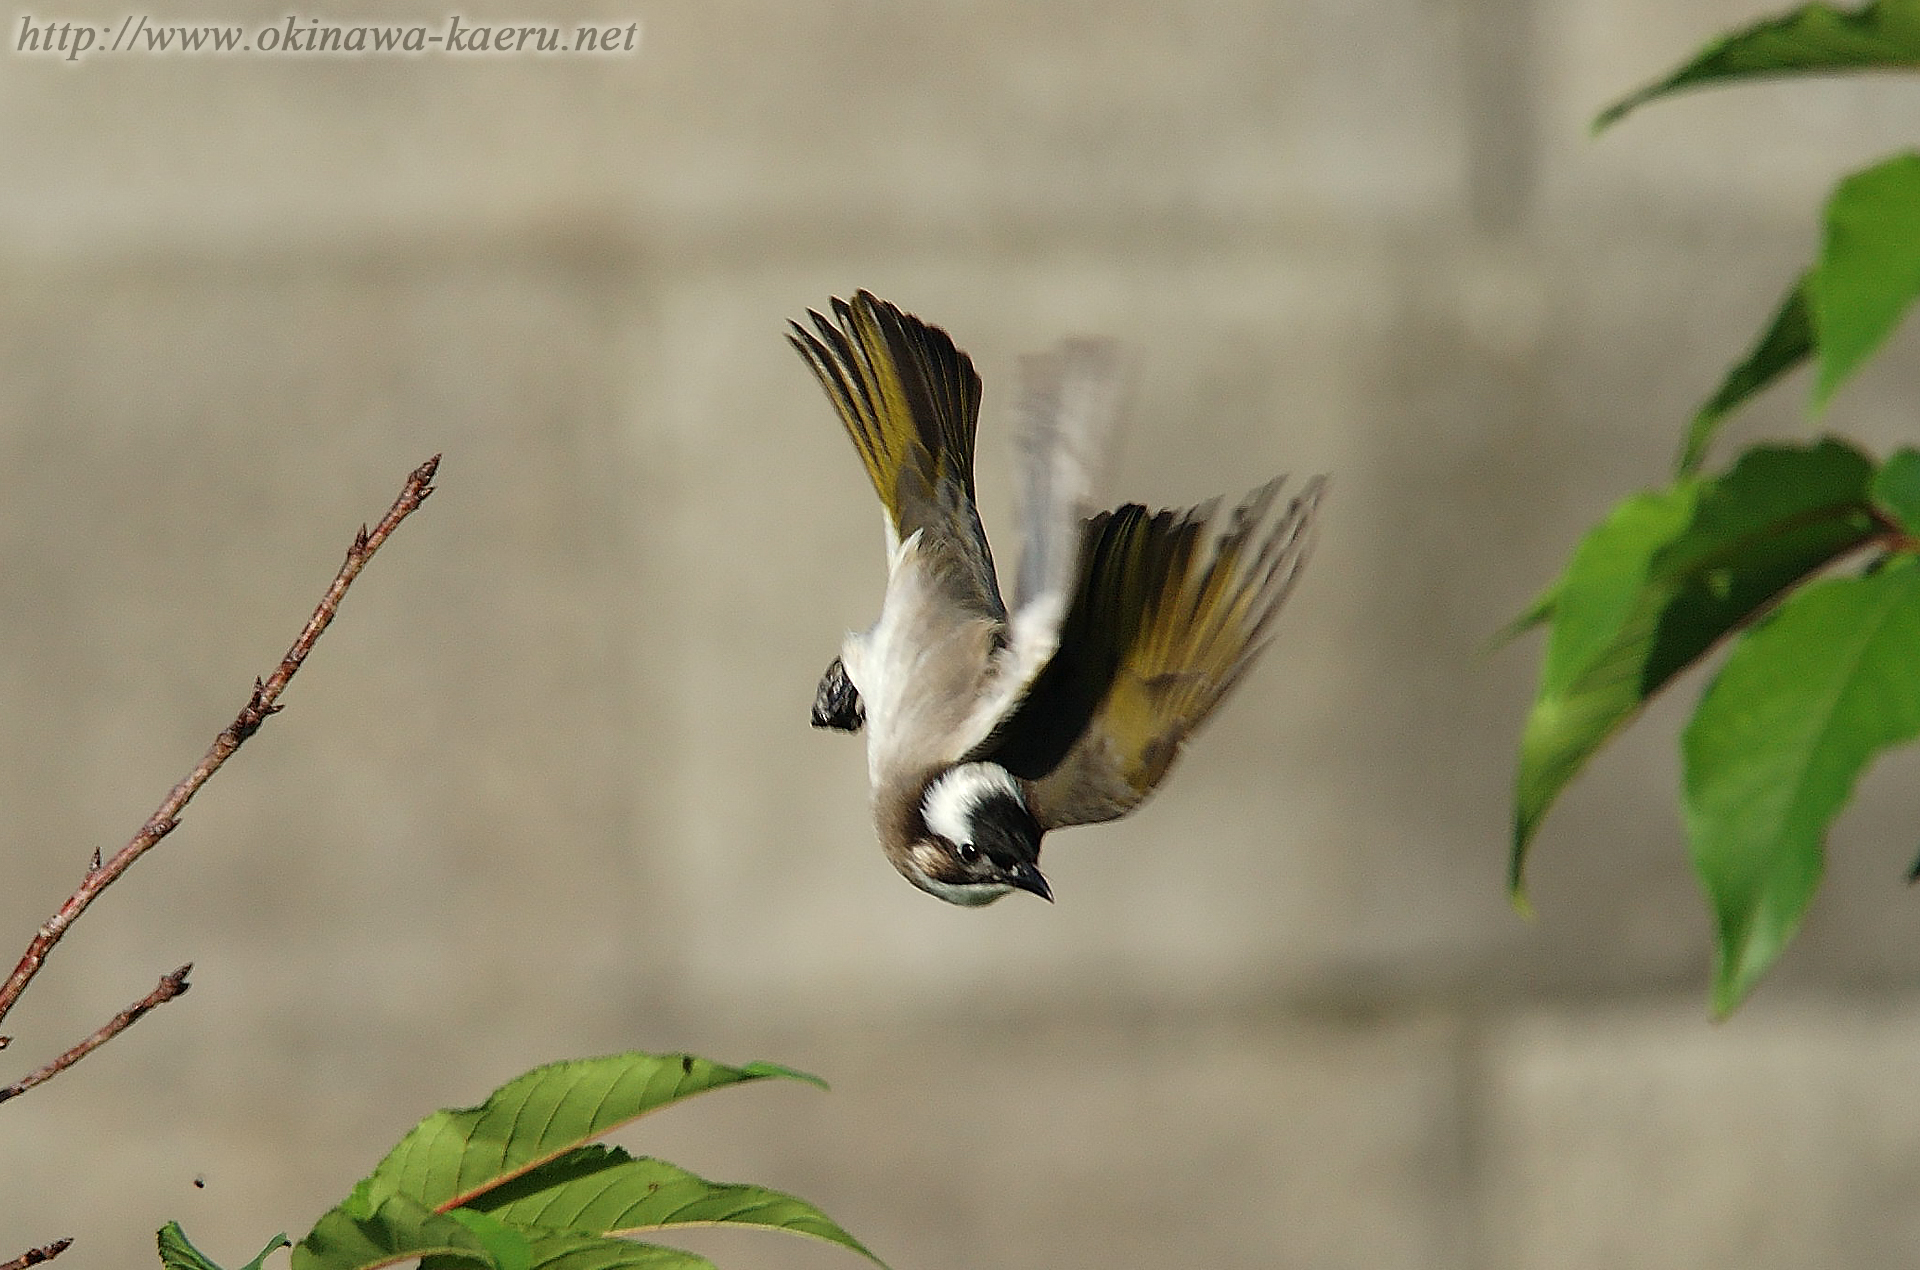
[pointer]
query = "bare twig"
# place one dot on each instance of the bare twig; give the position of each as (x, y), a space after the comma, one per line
(37, 1256)
(259, 706)
(170, 986)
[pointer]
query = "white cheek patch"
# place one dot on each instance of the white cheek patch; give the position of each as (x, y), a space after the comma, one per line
(951, 800)
(965, 894)
(968, 895)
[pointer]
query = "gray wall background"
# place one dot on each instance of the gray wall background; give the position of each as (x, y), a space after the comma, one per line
(547, 790)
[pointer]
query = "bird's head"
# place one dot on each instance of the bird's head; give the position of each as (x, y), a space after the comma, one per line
(980, 841)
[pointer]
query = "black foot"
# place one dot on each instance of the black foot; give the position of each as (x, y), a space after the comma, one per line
(836, 702)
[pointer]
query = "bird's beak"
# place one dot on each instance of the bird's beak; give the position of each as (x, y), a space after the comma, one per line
(1028, 878)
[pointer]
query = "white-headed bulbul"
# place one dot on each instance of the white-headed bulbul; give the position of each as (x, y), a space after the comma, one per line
(988, 725)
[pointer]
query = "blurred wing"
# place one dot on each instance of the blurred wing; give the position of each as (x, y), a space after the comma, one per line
(1069, 409)
(910, 401)
(1161, 631)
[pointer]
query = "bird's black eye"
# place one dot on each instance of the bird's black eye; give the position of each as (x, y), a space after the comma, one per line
(967, 852)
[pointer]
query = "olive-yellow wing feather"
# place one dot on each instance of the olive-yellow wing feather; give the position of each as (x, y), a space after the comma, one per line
(910, 402)
(1162, 630)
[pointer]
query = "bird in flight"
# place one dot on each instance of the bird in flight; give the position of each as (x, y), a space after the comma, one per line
(990, 723)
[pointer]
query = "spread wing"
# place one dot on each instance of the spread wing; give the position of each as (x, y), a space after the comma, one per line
(1160, 631)
(910, 401)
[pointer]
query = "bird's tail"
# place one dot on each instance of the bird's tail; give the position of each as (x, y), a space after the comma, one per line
(909, 399)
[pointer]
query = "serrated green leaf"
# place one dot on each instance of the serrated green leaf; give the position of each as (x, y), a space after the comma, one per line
(178, 1253)
(1657, 583)
(1787, 341)
(1896, 490)
(1595, 602)
(508, 1247)
(590, 1252)
(375, 1227)
(1869, 268)
(551, 1250)
(455, 1155)
(1816, 39)
(1801, 706)
(604, 1190)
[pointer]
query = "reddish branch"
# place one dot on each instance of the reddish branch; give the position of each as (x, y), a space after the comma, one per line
(260, 705)
(1893, 536)
(171, 986)
(36, 1256)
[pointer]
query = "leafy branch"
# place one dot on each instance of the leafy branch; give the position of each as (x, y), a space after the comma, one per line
(517, 1182)
(261, 704)
(1822, 672)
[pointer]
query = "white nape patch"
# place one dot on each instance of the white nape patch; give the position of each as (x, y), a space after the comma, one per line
(950, 801)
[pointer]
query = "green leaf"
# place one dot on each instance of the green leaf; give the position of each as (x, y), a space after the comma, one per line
(423, 1200)
(1896, 490)
(453, 1156)
(591, 1252)
(550, 1251)
(1869, 269)
(604, 1190)
(1657, 583)
(1773, 753)
(508, 1247)
(1576, 708)
(1813, 40)
(177, 1253)
(1787, 342)
(375, 1227)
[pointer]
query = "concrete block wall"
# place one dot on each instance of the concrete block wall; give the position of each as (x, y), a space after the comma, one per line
(547, 790)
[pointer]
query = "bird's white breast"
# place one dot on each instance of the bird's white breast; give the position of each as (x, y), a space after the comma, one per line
(920, 669)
